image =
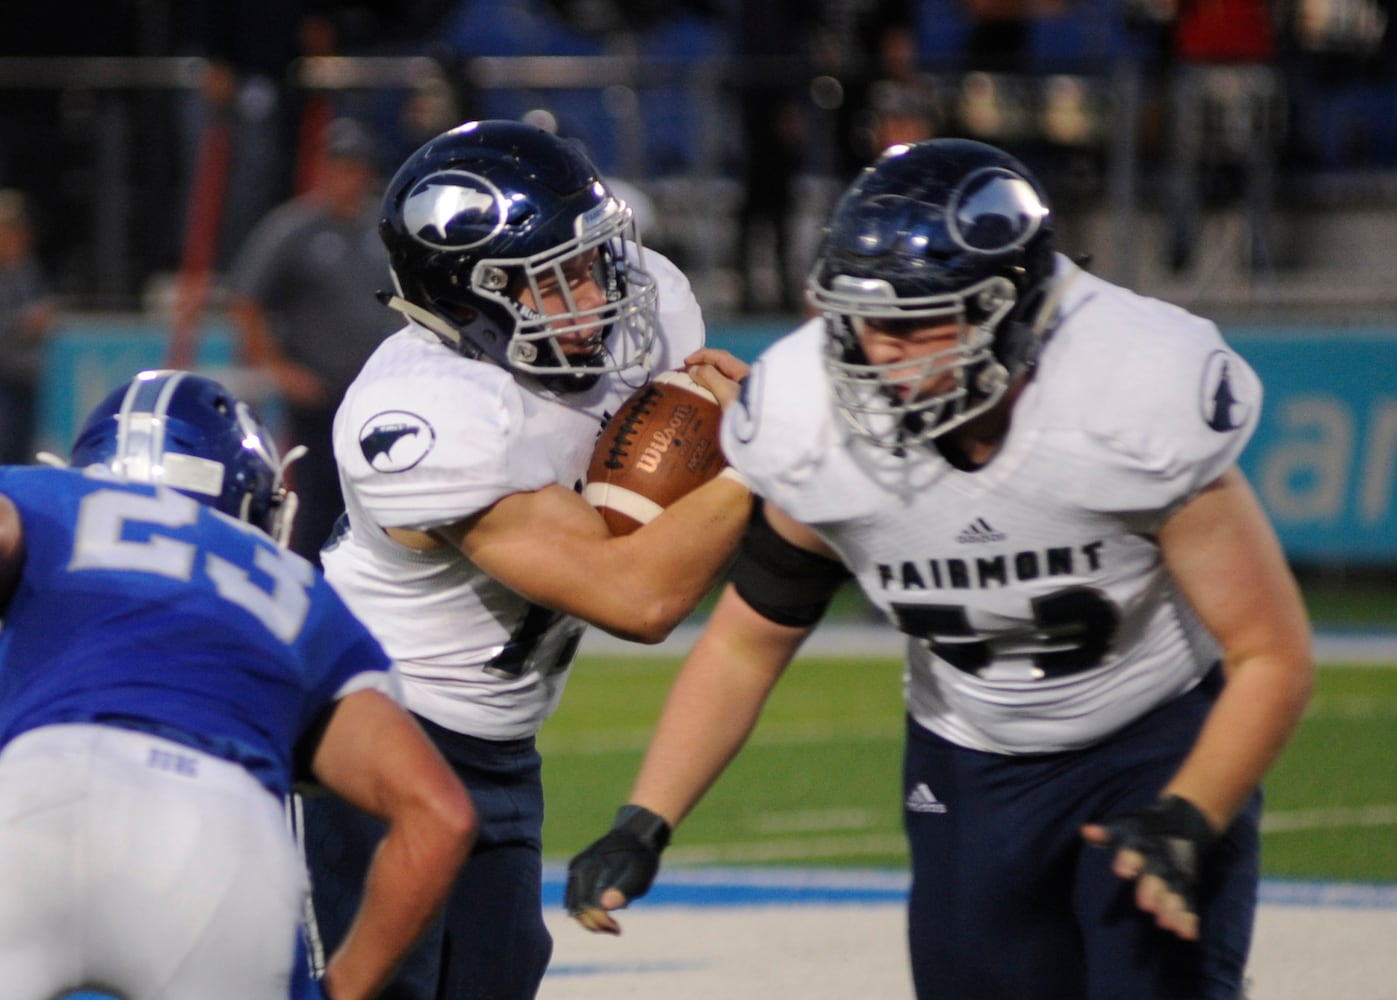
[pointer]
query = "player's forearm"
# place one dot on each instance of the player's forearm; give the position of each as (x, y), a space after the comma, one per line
(681, 556)
(406, 885)
(642, 585)
(703, 727)
(713, 707)
(553, 548)
(1260, 706)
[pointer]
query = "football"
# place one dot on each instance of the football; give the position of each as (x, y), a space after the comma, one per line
(662, 443)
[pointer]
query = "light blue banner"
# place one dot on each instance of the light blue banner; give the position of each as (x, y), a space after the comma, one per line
(1323, 460)
(89, 358)
(1324, 455)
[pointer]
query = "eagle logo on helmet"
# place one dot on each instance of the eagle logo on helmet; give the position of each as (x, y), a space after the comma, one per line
(995, 210)
(454, 210)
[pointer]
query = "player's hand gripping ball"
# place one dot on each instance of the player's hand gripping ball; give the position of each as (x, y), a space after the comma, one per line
(661, 444)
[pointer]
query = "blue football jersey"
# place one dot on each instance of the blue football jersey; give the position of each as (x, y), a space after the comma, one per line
(140, 606)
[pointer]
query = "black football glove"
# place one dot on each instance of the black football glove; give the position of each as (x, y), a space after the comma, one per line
(1172, 835)
(627, 859)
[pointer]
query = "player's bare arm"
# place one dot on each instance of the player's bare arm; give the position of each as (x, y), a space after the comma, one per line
(1226, 560)
(1224, 554)
(711, 709)
(552, 547)
(11, 550)
(719, 692)
(374, 756)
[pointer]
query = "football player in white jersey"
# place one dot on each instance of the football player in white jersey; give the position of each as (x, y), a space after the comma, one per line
(1031, 473)
(532, 313)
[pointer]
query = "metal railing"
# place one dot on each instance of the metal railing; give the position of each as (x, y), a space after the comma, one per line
(626, 108)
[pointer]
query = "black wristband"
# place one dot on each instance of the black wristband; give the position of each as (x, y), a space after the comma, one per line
(1189, 819)
(650, 828)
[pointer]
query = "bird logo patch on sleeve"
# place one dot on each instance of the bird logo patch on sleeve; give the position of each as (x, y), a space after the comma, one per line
(395, 441)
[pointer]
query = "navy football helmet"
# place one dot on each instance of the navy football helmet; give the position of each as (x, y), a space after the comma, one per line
(490, 210)
(188, 432)
(946, 229)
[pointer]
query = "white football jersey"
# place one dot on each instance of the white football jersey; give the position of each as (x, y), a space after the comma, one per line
(1039, 612)
(425, 437)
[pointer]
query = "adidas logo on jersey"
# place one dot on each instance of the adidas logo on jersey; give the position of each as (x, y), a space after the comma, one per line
(979, 530)
(921, 800)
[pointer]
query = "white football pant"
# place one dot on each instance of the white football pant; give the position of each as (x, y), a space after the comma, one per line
(137, 866)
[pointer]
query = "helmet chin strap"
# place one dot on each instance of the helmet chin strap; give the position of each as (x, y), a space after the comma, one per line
(1023, 339)
(422, 317)
(1047, 312)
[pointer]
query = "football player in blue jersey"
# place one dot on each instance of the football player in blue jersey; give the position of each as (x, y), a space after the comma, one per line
(167, 671)
(1031, 473)
(532, 312)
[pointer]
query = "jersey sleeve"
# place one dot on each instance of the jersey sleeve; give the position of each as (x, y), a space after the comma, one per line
(425, 449)
(1161, 397)
(779, 434)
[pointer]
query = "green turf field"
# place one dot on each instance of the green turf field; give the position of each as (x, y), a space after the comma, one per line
(818, 783)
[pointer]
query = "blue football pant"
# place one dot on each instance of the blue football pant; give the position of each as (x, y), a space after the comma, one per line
(490, 942)
(1008, 901)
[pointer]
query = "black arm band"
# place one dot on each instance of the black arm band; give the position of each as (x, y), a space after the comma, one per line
(303, 754)
(783, 582)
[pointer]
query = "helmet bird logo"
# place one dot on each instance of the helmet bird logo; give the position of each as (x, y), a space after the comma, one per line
(454, 210)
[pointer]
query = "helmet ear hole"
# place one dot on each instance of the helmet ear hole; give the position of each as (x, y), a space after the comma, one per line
(456, 312)
(494, 279)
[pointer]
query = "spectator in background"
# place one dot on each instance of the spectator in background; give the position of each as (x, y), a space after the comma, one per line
(28, 314)
(773, 131)
(1231, 42)
(857, 43)
(1000, 36)
(302, 299)
(250, 47)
